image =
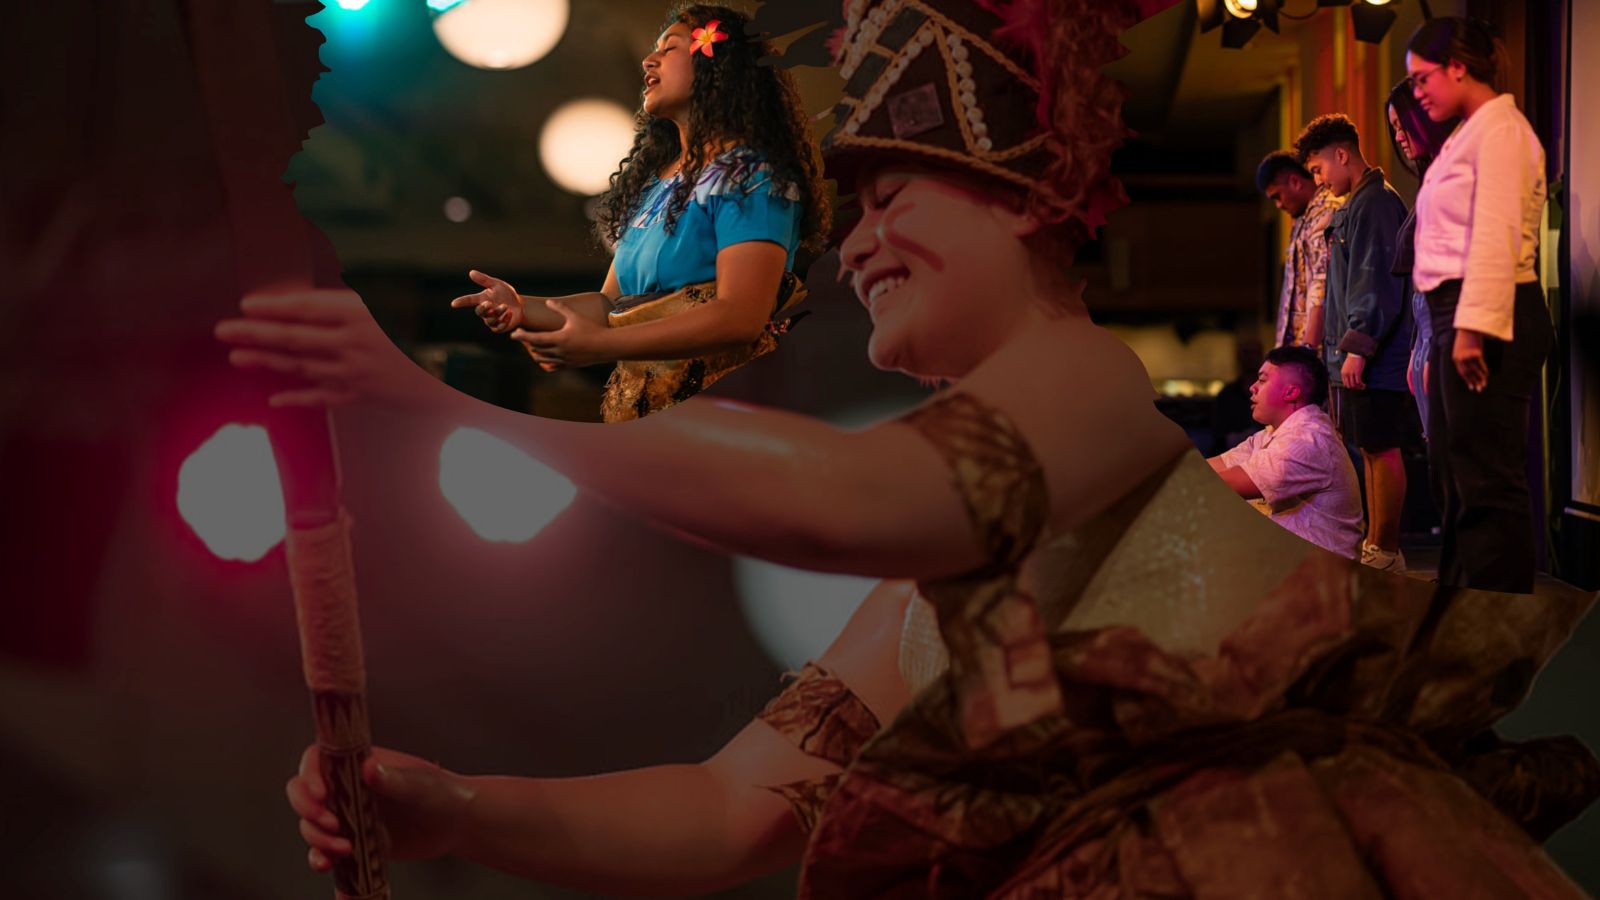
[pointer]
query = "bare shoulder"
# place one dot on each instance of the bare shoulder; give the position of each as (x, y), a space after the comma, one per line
(1085, 404)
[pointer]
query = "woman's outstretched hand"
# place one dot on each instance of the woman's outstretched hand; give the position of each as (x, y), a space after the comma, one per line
(328, 338)
(498, 304)
(421, 807)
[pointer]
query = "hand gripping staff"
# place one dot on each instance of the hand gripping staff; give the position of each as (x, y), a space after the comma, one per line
(253, 134)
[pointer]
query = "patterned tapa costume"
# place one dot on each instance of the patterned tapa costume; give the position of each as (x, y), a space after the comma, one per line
(638, 388)
(1177, 699)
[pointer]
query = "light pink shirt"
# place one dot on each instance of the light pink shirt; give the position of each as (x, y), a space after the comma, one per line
(1478, 215)
(1307, 482)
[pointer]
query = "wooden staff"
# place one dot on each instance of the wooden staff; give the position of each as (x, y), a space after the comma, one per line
(253, 135)
(323, 577)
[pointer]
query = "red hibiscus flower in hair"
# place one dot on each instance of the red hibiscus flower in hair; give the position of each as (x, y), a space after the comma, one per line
(705, 37)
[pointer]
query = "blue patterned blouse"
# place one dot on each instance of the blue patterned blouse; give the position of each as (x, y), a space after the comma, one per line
(734, 201)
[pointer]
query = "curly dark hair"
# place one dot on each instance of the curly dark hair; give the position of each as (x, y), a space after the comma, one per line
(735, 98)
(1276, 165)
(1325, 131)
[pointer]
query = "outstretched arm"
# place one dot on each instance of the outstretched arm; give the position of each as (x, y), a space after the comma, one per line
(670, 830)
(502, 309)
(764, 483)
(690, 829)
(748, 278)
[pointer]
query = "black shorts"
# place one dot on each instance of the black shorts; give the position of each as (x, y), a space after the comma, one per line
(1376, 420)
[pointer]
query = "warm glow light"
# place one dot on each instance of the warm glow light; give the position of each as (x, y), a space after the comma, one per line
(793, 613)
(1241, 9)
(228, 492)
(457, 209)
(1377, 2)
(499, 34)
(583, 142)
(501, 492)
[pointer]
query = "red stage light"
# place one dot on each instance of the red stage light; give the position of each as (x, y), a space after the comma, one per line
(229, 494)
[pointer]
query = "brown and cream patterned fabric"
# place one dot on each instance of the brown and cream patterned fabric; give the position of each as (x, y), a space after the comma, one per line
(638, 388)
(821, 716)
(1008, 90)
(990, 626)
(1333, 744)
(925, 79)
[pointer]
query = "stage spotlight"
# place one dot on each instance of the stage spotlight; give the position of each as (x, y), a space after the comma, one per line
(1238, 32)
(1238, 19)
(499, 34)
(1372, 20)
(501, 492)
(228, 493)
(583, 142)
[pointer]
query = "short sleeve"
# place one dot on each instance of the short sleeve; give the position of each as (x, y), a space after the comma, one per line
(1288, 468)
(1237, 455)
(756, 210)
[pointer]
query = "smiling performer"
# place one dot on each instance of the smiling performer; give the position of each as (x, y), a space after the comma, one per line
(1091, 669)
(722, 185)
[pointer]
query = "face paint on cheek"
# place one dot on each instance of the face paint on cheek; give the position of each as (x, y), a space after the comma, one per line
(893, 237)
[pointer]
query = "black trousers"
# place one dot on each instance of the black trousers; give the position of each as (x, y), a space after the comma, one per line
(1478, 446)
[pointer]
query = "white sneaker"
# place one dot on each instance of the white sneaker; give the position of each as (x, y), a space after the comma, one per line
(1383, 560)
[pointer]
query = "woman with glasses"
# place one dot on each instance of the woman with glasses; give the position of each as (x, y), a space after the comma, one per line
(1477, 235)
(1417, 140)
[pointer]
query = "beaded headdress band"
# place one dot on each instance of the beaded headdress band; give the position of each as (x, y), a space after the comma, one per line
(978, 84)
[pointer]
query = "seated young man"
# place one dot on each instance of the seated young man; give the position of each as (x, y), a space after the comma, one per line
(1296, 470)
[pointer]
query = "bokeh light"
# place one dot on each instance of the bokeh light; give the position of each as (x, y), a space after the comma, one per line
(795, 614)
(583, 142)
(499, 34)
(457, 209)
(503, 493)
(228, 492)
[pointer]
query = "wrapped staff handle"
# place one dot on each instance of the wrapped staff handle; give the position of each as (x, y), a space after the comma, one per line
(322, 576)
(253, 133)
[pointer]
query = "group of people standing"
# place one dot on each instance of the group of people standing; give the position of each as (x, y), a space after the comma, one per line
(1424, 325)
